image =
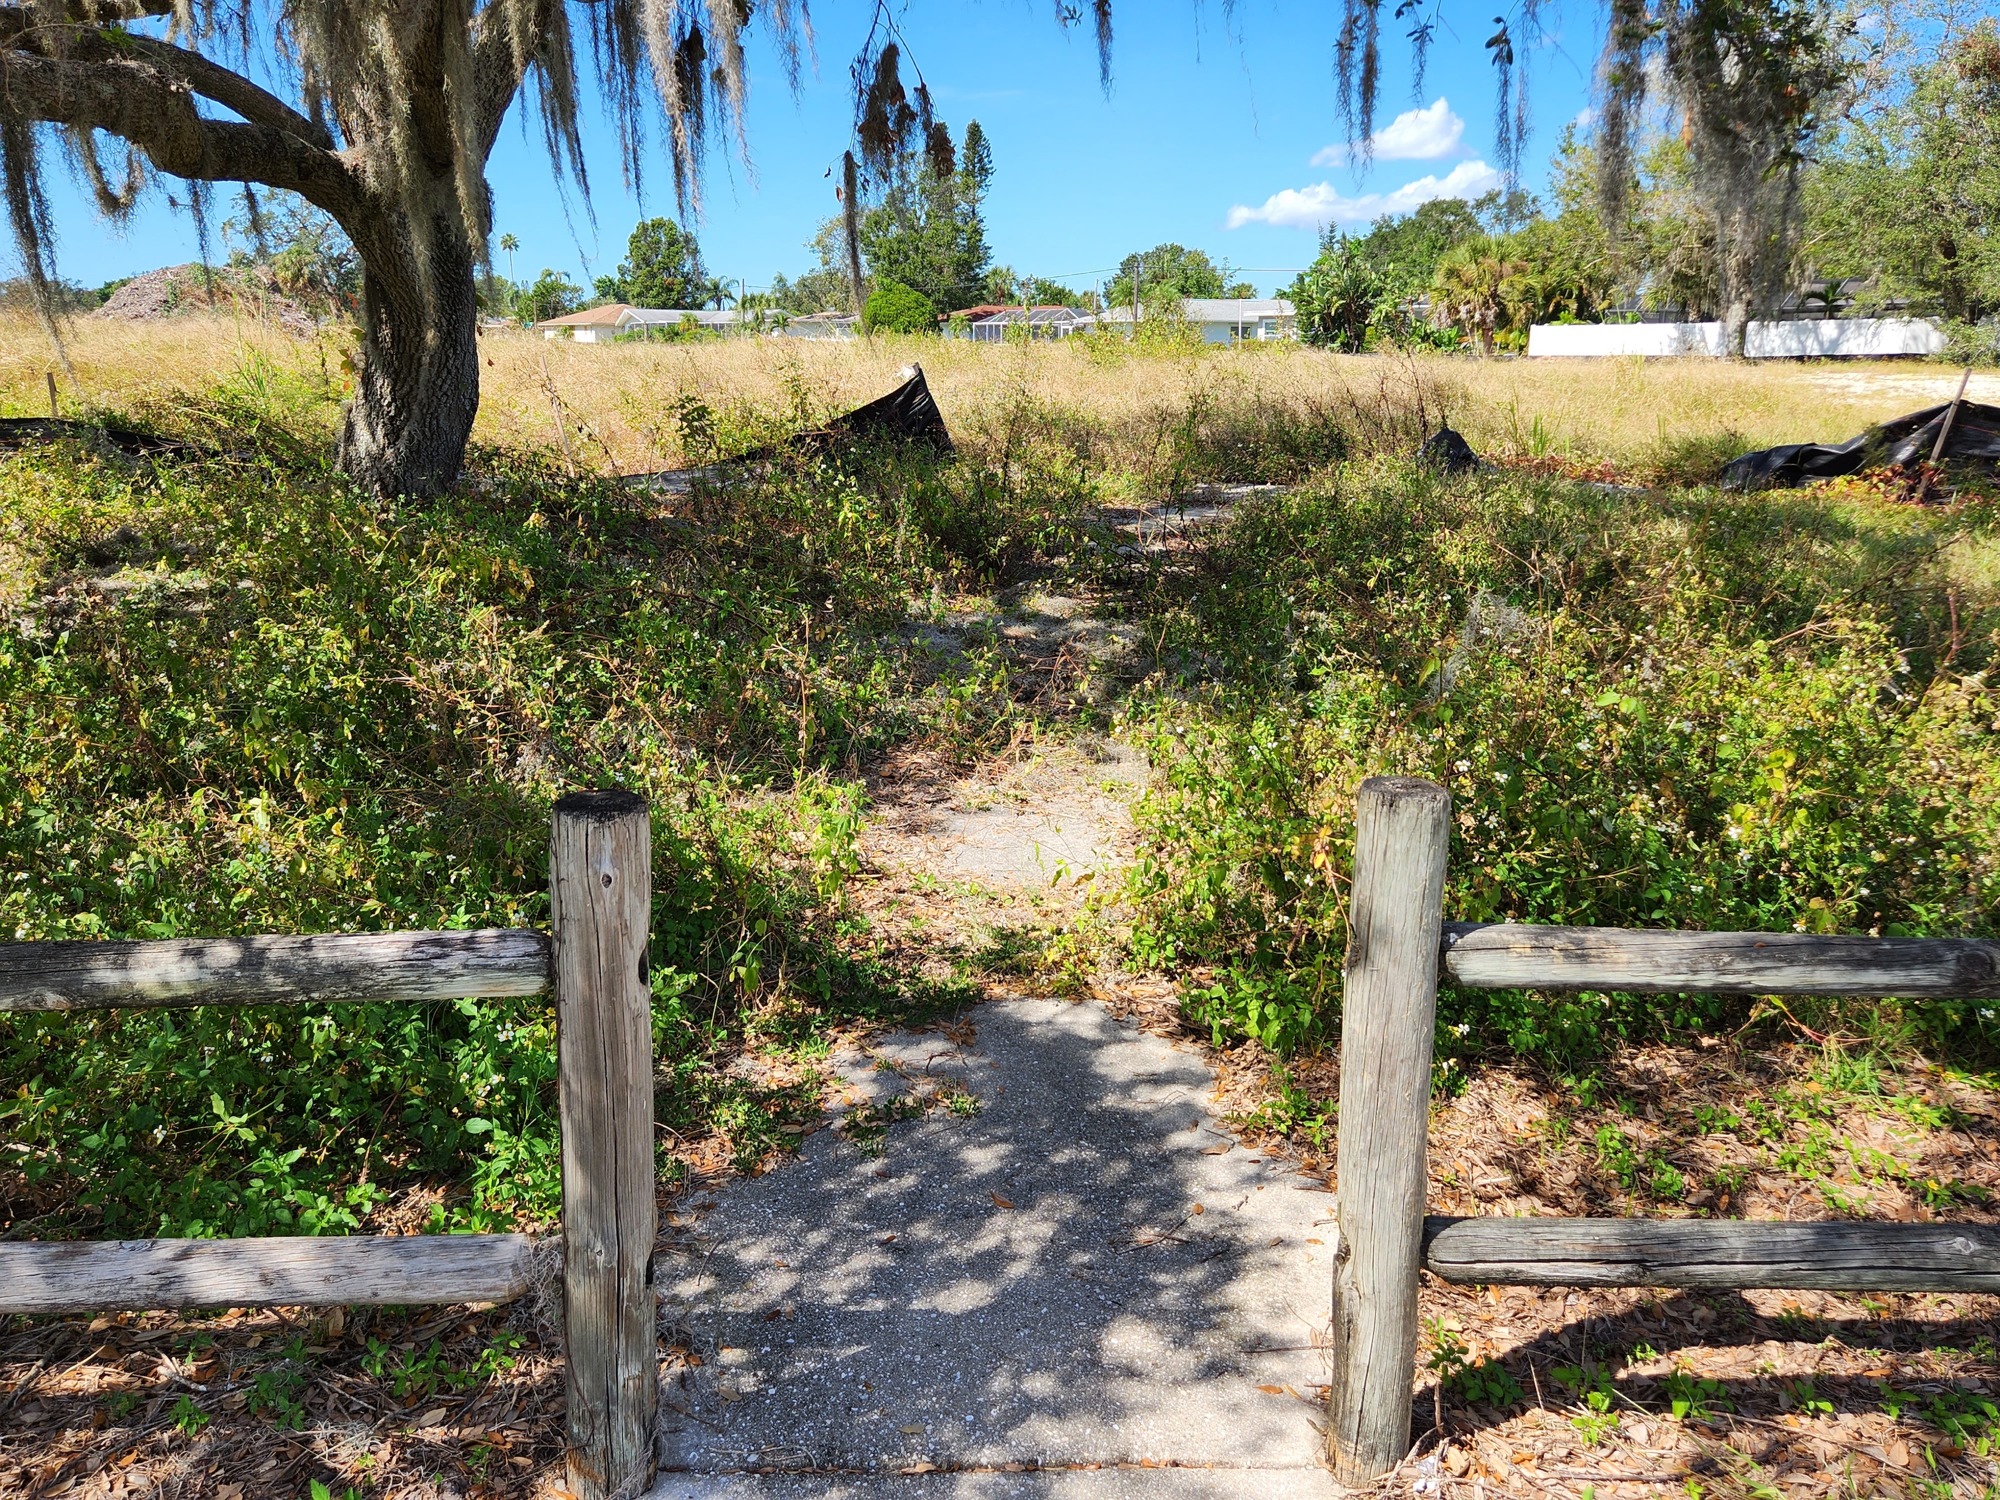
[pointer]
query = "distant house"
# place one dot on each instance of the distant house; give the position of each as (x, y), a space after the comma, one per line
(991, 322)
(600, 325)
(594, 325)
(822, 325)
(1227, 320)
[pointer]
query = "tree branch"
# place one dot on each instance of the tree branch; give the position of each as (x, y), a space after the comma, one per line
(135, 102)
(97, 44)
(497, 74)
(231, 90)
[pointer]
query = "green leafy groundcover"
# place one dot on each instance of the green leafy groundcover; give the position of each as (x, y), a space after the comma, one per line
(1651, 709)
(240, 698)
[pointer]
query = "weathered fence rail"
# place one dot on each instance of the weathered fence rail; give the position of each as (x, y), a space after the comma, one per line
(1504, 955)
(1715, 1253)
(1398, 949)
(382, 1270)
(600, 888)
(329, 968)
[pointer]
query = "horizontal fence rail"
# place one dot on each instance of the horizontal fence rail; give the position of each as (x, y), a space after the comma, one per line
(593, 962)
(344, 967)
(1402, 828)
(361, 1270)
(1719, 1253)
(1507, 955)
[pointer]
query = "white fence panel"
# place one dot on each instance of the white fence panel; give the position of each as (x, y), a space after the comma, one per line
(1837, 338)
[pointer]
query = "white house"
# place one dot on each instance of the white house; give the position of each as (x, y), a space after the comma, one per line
(822, 325)
(991, 322)
(600, 325)
(1226, 320)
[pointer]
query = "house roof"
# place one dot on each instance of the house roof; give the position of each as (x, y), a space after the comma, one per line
(707, 316)
(1038, 317)
(994, 309)
(607, 316)
(1235, 309)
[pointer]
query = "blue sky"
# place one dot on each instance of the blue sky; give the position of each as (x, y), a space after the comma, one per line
(1220, 131)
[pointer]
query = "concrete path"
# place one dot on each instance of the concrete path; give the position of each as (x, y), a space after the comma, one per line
(1062, 1282)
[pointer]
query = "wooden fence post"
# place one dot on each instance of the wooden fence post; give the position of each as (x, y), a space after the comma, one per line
(1401, 834)
(600, 890)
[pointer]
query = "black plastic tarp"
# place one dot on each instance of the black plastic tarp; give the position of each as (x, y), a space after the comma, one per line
(908, 414)
(1901, 443)
(20, 432)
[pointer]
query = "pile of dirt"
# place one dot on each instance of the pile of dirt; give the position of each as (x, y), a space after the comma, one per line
(175, 291)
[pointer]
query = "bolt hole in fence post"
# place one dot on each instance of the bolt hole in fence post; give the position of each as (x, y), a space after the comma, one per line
(600, 891)
(1389, 1009)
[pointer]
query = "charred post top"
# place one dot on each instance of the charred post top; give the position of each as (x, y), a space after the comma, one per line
(603, 806)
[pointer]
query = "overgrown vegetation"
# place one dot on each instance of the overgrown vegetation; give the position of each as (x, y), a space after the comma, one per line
(1661, 709)
(242, 696)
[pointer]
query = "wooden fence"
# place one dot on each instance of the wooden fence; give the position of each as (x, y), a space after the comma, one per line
(1397, 948)
(600, 887)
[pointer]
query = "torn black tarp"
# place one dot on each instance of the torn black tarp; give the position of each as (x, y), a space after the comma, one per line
(20, 432)
(908, 415)
(1900, 443)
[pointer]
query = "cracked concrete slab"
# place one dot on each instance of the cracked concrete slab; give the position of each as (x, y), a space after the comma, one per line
(1068, 1263)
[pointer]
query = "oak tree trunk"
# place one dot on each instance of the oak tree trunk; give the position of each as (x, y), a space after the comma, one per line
(417, 388)
(1739, 249)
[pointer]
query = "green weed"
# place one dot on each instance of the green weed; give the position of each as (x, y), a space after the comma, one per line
(1693, 1398)
(245, 698)
(1596, 1394)
(1483, 1381)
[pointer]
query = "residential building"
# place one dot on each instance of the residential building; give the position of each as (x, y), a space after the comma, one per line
(600, 325)
(991, 322)
(822, 325)
(1226, 320)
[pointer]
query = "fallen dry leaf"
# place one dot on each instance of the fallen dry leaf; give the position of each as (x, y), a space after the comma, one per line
(1000, 1202)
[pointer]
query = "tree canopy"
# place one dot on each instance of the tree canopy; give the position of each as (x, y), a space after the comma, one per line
(662, 268)
(1170, 272)
(1909, 196)
(925, 231)
(895, 308)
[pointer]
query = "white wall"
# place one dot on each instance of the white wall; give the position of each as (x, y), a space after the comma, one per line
(1598, 340)
(1840, 338)
(1849, 338)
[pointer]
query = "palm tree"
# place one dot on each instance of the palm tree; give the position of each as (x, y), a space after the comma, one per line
(1471, 288)
(509, 244)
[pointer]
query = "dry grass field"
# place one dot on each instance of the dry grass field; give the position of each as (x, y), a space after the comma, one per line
(617, 404)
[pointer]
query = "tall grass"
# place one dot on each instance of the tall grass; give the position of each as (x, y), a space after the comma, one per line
(1124, 409)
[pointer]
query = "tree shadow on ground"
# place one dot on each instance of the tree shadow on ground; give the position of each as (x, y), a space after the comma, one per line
(1065, 1263)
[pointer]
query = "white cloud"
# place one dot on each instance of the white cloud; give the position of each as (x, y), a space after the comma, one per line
(1415, 135)
(1310, 207)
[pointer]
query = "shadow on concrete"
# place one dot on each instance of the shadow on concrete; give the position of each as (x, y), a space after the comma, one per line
(1064, 1261)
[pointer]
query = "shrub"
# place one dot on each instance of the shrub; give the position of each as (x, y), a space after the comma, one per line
(895, 308)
